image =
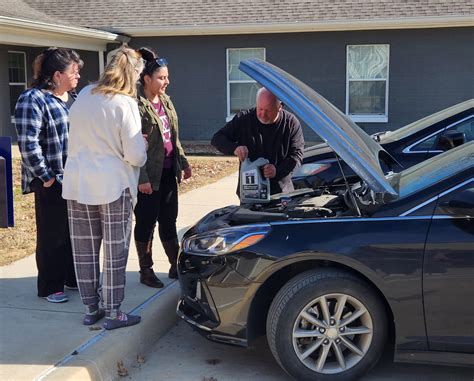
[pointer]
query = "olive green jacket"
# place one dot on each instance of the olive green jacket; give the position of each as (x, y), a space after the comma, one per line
(153, 127)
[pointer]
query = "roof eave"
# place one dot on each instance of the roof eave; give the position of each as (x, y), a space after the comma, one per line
(294, 27)
(28, 32)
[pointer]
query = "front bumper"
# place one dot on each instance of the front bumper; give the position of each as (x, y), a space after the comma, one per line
(198, 322)
(191, 317)
(215, 298)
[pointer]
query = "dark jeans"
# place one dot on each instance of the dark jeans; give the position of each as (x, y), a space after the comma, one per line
(53, 244)
(161, 206)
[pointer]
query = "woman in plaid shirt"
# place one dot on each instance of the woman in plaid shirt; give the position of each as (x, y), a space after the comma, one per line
(42, 123)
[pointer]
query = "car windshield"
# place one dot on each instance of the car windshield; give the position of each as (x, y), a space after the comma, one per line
(434, 170)
(419, 125)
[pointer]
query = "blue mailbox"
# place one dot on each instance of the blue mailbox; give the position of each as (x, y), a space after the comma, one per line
(6, 182)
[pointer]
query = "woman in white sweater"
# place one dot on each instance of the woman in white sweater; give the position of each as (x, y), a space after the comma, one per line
(106, 151)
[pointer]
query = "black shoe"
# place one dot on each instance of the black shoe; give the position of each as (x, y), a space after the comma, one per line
(148, 278)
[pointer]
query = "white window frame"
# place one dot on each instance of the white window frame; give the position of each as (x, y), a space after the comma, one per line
(367, 118)
(229, 116)
(12, 117)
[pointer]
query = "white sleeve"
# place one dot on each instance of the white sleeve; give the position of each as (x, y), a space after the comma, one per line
(134, 150)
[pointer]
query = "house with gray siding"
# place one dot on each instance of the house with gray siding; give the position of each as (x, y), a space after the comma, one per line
(383, 63)
(24, 33)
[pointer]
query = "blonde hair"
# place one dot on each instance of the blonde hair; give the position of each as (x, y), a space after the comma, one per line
(119, 76)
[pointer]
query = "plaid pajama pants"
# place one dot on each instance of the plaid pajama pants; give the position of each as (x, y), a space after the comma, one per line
(89, 225)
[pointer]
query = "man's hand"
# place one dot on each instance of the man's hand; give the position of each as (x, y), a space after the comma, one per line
(241, 152)
(188, 172)
(50, 182)
(269, 171)
(145, 188)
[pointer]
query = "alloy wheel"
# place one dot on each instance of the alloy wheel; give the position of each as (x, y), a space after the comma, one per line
(332, 333)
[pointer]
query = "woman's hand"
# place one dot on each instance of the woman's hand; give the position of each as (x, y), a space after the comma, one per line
(145, 188)
(50, 182)
(187, 173)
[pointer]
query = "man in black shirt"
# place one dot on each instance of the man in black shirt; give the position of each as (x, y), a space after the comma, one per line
(265, 131)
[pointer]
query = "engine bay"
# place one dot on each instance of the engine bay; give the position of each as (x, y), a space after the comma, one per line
(324, 202)
(306, 203)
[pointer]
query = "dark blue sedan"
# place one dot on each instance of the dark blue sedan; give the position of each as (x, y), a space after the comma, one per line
(332, 274)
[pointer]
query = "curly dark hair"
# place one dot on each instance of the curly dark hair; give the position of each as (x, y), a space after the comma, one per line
(51, 61)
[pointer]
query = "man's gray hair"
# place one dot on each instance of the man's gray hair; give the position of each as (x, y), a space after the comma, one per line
(263, 90)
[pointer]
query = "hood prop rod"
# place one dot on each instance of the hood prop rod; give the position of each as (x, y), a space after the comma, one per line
(348, 187)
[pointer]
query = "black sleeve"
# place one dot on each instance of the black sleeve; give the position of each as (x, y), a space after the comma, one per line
(295, 152)
(226, 140)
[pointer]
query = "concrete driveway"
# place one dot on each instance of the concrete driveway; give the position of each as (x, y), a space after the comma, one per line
(184, 355)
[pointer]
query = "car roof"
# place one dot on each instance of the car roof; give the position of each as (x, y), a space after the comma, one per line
(427, 121)
(432, 171)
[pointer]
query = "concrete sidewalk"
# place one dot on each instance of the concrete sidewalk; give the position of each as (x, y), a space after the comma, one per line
(46, 341)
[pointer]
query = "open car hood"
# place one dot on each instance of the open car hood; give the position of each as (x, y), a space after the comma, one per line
(348, 140)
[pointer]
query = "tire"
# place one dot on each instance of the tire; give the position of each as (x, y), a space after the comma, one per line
(300, 334)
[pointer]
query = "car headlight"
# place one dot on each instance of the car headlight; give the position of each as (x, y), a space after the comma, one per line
(223, 241)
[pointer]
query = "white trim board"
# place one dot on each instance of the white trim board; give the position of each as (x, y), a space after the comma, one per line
(31, 33)
(295, 27)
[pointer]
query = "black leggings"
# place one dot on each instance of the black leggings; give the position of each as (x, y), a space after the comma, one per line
(161, 206)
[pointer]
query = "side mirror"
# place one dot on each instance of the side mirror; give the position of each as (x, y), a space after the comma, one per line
(378, 135)
(450, 139)
(461, 205)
